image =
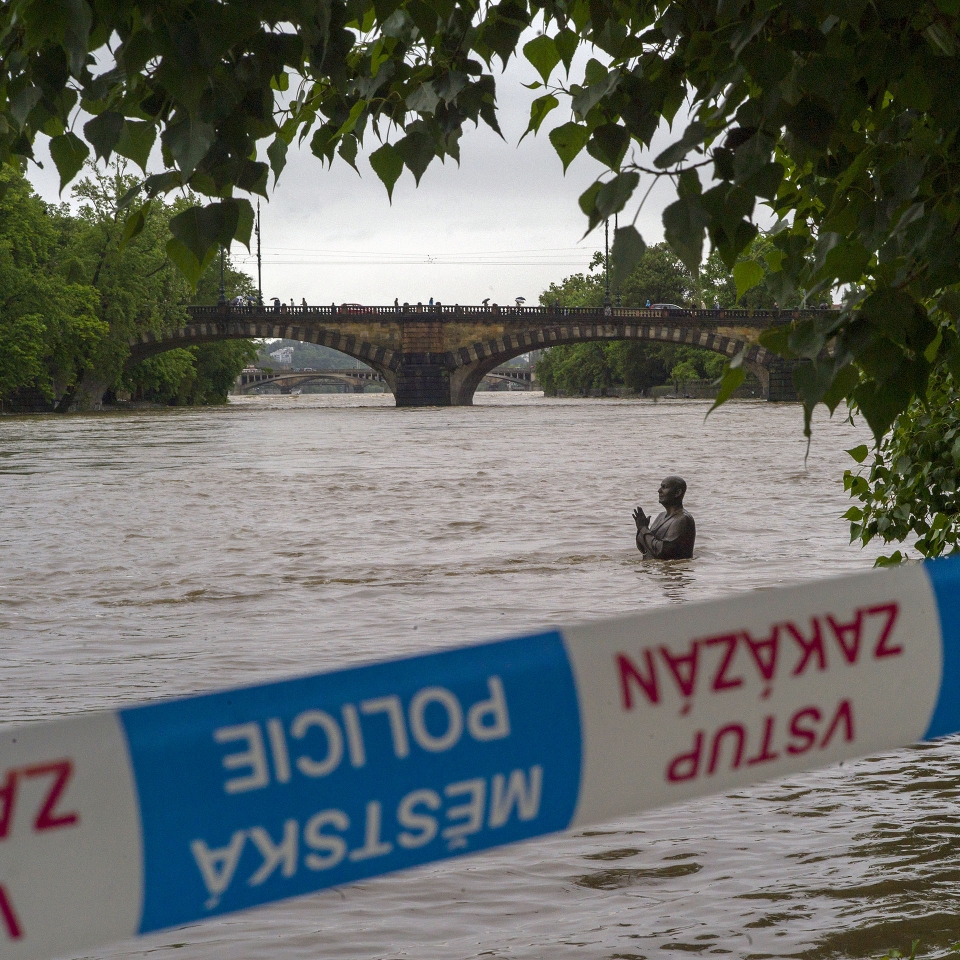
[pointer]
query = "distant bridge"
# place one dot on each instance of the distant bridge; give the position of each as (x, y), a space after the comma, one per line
(437, 355)
(351, 377)
(287, 380)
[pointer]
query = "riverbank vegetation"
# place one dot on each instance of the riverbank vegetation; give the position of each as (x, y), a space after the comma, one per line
(75, 288)
(658, 277)
(909, 488)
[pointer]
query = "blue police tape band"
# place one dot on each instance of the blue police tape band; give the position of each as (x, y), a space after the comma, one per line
(158, 815)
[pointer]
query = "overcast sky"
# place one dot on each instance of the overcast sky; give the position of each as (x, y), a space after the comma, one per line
(503, 224)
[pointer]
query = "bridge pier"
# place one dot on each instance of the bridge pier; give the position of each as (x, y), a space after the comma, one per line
(422, 380)
(781, 388)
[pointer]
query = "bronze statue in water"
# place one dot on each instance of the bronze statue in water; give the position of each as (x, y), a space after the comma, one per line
(671, 535)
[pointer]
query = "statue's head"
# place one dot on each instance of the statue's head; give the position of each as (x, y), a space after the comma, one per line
(671, 491)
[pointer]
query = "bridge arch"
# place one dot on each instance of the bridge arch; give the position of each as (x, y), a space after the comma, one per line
(473, 363)
(382, 359)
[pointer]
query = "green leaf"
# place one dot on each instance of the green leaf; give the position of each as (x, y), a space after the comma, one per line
(103, 132)
(614, 194)
(949, 302)
(602, 84)
(811, 122)
(244, 229)
(747, 274)
(842, 386)
(568, 140)
(135, 223)
(417, 150)
(567, 42)
(608, 144)
(277, 155)
(348, 151)
(136, 141)
(694, 135)
(22, 102)
(69, 153)
(424, 99)
(777, 340)
(894, 560)
(628, 250)
(539, 110)
(683, 224)
(188, 141)
(387, 163)
(205, 229)
(186, 262)
(881, 405)
(78, 19)
(356, 111)
(732, 378)
(859, 454)
(543, 54)
(588, 203)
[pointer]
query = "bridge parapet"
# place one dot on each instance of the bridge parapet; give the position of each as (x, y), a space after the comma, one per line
(485, 314)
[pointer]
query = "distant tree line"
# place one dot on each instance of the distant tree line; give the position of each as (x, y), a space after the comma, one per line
(659, 277)
(76, 285)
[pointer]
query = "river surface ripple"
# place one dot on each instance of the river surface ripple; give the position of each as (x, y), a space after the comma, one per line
(166, 552)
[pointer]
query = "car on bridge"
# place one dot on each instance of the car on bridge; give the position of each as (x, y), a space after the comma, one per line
(354, 308)
(666, 306)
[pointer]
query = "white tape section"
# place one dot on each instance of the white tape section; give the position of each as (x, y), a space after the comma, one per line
(171, 812)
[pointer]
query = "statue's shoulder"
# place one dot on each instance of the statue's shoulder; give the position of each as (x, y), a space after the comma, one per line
(688, 518)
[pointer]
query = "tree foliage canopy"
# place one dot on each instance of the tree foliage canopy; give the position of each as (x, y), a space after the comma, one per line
(73, 295)
(841, 116)
(658, 277)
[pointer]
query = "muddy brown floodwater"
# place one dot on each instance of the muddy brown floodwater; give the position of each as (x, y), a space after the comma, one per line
(157, 553)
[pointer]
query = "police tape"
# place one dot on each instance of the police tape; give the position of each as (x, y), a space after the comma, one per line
(159, 815)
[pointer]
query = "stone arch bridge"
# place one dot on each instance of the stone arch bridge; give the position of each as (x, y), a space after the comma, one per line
(437, 355)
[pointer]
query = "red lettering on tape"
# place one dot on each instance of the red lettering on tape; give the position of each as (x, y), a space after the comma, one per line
(809, 647)
(683, 668)
(741, 734)
(868, 629)
(720, 680)
(805, 735)
(629, 672)
(728, 744)
(686, 766)
(848, 635)
(14, 930)
(764, 652)
(844, 713)
(892, 610)
(8, 794)
(47, 819)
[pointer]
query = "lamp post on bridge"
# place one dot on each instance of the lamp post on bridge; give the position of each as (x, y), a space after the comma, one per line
(606, 263)
(259, 274)
(222, 298)
(616, 227)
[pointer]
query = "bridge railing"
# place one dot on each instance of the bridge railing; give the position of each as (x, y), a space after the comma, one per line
(488, 312)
